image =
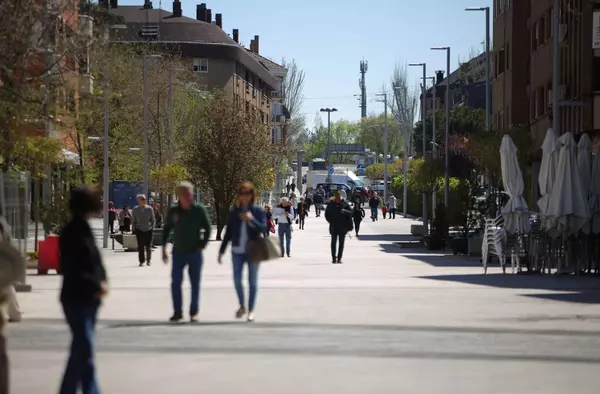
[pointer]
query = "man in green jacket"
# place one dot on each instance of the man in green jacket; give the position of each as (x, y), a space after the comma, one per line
(191, 227)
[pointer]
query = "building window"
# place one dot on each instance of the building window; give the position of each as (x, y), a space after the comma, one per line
(542, 30)
(507, 55)
(501, 61)
(533, 104)
(507, 121)
(534, 37)
(200, 65)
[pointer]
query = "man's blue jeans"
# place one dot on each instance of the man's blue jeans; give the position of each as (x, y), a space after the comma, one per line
(374, 213)
(285, 234)
(194, 264)
(239, 260)
(81, 371)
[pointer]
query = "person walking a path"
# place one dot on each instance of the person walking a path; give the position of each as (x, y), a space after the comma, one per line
(125, 219)
(302, 213)
(285, 217)
(270, 225)
(143, 221)
(358, 214)
(374, 205)
(83, 288)
(191, 228)
(391, 204)
(246, 222)
(318, 200)
(339, 216)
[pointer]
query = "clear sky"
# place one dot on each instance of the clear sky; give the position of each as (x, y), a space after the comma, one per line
(329, 38)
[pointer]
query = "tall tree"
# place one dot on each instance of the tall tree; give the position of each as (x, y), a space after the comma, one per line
(224, 147)
(403, 103)
(293, 93)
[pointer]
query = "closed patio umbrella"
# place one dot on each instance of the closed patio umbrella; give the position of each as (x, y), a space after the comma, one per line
(550, 148)
(515, 212)
(584, 167)
(594, 195)
(567, 203)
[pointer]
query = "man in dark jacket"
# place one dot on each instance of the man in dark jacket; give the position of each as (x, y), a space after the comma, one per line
(191, 227)
(318, 201)
(339, 216)
(374, 205)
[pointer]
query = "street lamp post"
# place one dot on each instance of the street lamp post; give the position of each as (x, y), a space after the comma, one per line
(424, 123)
(146, 114)
(329, 111)
(385, 149)
(488, 67)
(434, 143)
(447, 117)
(106, 170)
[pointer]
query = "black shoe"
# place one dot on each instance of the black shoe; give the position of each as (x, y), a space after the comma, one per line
(148, 264)
(176, 318)
(142, 264)
(288, 255)
(339, 261)
(333, 261)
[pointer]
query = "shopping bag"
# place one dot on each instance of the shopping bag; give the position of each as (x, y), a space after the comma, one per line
(263, 249)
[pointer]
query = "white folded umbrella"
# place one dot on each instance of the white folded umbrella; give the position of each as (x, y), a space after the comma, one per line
(567, 203)
(550, 149)
(515, 212)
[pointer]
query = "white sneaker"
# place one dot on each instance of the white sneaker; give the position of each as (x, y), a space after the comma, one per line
(251, 317)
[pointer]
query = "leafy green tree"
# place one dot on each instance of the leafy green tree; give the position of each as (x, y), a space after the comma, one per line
(226, 146)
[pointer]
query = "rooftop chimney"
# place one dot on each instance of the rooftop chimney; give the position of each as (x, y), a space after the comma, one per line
(439, 77)
(147, 5)
(251, 46)
(208, 16)
(201, 12)
(114, 4)
(219, 20)
(177, 9)
(256, 44)
(236, 35)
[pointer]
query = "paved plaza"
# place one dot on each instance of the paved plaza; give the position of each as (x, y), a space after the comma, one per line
(389, 320)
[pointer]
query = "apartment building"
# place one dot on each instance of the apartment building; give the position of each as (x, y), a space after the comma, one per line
(523, 75)
(467, 86)
(218, 60)
(279, 113)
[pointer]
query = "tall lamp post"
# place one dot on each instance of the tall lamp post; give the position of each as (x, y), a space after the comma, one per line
(146, 114)
(447, 131)
(424, 123)
(433, 141)
(105, 170)
(385, 148)
(329, 111)
(488, 67)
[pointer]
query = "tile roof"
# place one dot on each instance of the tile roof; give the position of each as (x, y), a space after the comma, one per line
(267, 63)
(189, 32)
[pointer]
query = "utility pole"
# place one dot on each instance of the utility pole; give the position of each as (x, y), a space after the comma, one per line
(327, 164)
(362, 83)
(299, 160)
(424, 137)
(556, 68)
(385, 149)
(146, 142)
(434, 143)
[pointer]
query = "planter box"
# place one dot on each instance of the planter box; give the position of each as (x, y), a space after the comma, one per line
(474, 247)
(417, 229)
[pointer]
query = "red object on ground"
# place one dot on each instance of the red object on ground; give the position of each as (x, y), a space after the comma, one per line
(48, 255)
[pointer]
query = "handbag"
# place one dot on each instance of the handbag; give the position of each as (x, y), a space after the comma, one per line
(263, 249)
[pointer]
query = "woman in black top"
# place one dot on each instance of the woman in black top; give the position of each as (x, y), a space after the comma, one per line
(358, 214)
(84, 285)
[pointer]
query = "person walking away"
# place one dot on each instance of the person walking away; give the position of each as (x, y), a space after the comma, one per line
(270, 225)
(112, 216)
(83, 288)
(358, 214)
(294, 204)
(309, 199)
(384, 211)
(288, 188)
(293, 186)
(302, 213)
(246, 222)
(374, 205)
(339, 216)
(191, 228)
(318, 201)
(10, 266)
(143, 221)
(343, 193)
(125, 219)
(158, 217)
(285, 217)
(392, 203)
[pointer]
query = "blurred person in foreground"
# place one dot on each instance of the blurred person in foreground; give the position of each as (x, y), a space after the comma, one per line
(246, 222)
(339, 216)
(191, 228)
(83, 288)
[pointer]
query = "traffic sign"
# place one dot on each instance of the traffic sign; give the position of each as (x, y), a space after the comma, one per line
(330, 170)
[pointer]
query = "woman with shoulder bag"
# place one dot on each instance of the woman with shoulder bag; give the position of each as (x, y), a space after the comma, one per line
(246, 223)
